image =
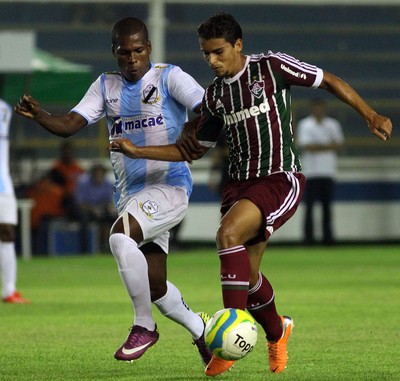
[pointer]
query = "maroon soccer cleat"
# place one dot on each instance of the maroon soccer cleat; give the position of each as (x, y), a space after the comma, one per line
(138, 342)
(200, 343)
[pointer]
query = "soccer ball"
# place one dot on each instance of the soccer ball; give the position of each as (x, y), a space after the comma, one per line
(231, 334)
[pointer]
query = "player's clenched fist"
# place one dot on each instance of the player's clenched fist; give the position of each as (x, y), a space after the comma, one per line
(125, 146)
(28, 107)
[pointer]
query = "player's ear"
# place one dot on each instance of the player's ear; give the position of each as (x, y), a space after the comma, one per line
(239, 45)
(149, 46)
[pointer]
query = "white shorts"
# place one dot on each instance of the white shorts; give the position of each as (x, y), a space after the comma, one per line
(158, 209)
(8, 209)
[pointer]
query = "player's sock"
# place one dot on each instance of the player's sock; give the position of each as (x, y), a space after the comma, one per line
(8, 268)
(261, 306)
(174, 307)
(235, 275)
(133, 269)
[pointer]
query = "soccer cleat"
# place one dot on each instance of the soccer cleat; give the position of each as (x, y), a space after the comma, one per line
(204, 351)
(138, 342)
(218, 366)
(277, 352)
(16, 298)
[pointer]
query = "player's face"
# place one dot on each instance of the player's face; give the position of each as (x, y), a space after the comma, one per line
(223, 58)
(133, 56)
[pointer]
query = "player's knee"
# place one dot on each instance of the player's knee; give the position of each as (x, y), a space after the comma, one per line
(227, 236)
(7, 233)
(118, 243)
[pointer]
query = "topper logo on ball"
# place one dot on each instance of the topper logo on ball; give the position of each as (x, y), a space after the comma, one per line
(242, 344)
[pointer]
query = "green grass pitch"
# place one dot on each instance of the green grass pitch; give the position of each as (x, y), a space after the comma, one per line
(345, 302)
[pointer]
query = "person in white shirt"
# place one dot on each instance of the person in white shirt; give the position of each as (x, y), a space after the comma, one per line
(8, 214)
(146, 103)
(319, 138)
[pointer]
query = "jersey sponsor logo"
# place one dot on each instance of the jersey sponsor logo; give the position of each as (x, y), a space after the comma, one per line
(120, 124)
(115, 100)
(236, 117)
(292, 72)
(150, 95)
(257, 88)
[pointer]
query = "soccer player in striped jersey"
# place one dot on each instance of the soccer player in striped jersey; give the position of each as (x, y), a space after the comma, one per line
(250, 99)
(147, 103)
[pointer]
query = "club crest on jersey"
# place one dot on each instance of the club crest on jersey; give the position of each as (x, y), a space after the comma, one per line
(149, 208)
(150, 94)
(257, 88)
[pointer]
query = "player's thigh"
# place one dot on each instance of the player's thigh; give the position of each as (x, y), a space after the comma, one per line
(241, 223)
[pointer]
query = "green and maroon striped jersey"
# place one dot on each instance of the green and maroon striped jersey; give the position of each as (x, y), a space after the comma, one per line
(254, 108)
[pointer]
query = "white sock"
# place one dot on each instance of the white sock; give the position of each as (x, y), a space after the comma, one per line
(174, 307)
(8, 264)
(132, 267)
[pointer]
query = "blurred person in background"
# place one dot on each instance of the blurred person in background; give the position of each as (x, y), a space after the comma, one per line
(94, 203)
(68, 166)
(48, 195)
(8, 214)
(146, 103)
(319, 138)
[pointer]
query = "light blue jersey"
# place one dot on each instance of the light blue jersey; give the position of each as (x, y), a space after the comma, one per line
(149, 112)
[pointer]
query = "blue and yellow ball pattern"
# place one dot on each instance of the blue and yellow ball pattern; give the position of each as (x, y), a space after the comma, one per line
(231, 334)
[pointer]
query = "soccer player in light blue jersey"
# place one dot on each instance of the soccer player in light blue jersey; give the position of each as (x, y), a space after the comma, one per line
(146, 103)
(8, 214)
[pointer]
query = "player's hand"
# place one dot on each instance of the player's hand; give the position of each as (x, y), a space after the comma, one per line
(187, 143)
(381, 126)
(124, 146)
(27, 106)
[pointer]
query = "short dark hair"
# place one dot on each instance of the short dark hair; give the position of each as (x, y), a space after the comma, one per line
(221, 25)
(128, 26)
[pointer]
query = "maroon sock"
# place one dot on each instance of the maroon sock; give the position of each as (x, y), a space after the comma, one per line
(261, 305)
(235, 275)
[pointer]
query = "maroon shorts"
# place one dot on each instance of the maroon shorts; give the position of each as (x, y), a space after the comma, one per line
(277, 196)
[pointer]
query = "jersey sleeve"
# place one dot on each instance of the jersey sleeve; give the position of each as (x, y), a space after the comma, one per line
(208, 128)
(184, 88)
(91, 106)
(295, 72)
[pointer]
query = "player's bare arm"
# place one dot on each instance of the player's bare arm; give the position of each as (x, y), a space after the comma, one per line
(61, 125)
(164, 153)
(379, 125)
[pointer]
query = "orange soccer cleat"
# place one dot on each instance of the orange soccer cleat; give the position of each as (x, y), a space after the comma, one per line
(277, 351)
(218, 366)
